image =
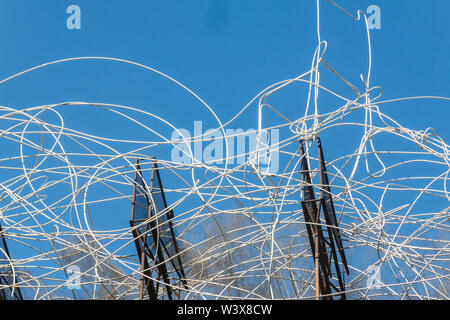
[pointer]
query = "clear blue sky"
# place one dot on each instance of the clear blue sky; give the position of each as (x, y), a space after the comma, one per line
(225, 50)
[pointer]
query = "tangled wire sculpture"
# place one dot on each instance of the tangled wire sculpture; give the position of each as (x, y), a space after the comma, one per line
(66, 194)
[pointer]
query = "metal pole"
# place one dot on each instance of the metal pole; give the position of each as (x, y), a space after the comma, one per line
(316, 261)
(141, 283)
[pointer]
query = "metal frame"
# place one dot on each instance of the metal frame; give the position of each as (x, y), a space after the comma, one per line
(321, 245)
(160, 255)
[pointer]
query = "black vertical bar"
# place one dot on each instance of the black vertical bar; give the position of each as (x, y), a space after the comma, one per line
(159, 244)
(144, 265)
(326, 194)
(170, 216)
(312, 217)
